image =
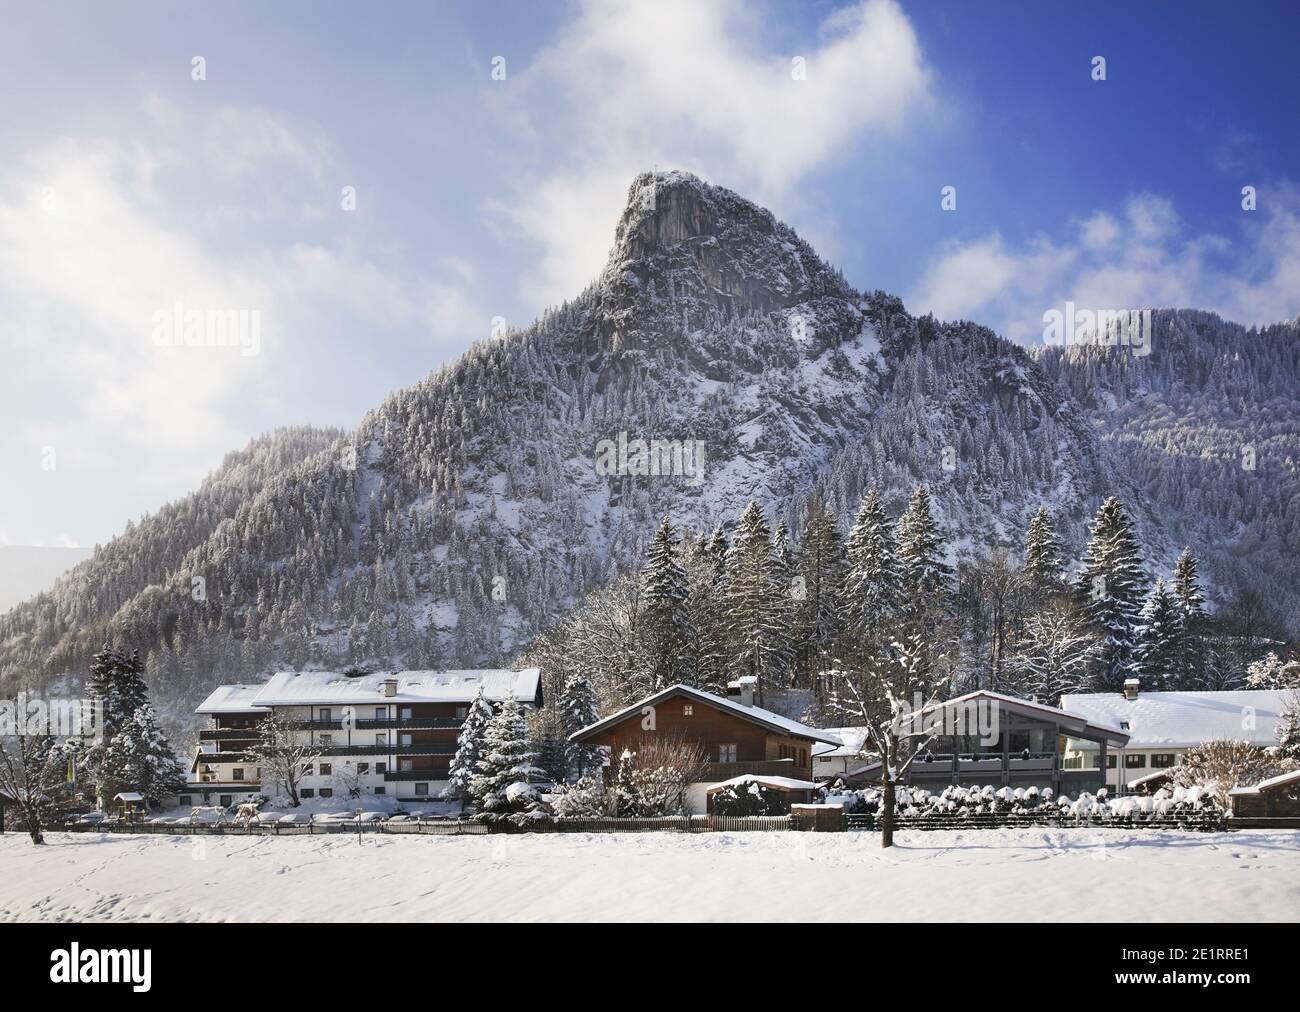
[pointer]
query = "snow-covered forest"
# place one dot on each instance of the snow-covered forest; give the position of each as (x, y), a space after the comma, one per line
(464, 517)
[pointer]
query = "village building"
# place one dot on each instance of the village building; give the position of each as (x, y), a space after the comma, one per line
(985, 737)
(1162, 726)
(1275, 798)
(379, 734)
(741, 741)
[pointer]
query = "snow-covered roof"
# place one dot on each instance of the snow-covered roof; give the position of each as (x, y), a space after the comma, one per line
(1157, 775)
(232, 699)
(1281, 780)
(778, 783)
(1084, 725)
(128, 796)
(312, 688)
(851, 739)
(756, 714)
(1184, 719)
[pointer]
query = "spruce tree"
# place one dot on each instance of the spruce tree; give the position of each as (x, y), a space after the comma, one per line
(1288, 730)
(707, 576)
(753, 608)
(1043, 562)
(1191, 604)
(578, 710)
(1111, 590)
(502, 785)
(139, 758)
(469, 749)
(822, 567)
(920, 553)
(872, 590)
(665, 616)
(1161, 640)
(116, 681)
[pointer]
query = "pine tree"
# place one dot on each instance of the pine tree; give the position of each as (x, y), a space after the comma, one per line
(469, 749)
(1288, 730)
(665, 617)
(1111, 591)
(707, 577)
(872, 588)
(1043, 562)
(503, 785)
(1191, 605)
(116, 681)
(920, 553)
(822, 567)
(753, 608)
(1161, 640)
(139, 758)
(578, 710)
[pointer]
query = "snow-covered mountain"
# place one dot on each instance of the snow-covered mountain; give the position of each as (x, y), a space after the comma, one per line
(471, 509)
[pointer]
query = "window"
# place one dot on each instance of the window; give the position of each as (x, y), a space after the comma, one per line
(421, 790)
(726, 753)
(406, 713)
(462, 712)
(381, 768)
(406, 739)
(1110, 760)
(326, 714)
(327, 740)
(226, 800)
(307, 792)
(326, 769)
(237, 773)
(327, 792)
(688, 709)
(185, 800)
(363, 768)
(1136, 761)
(1163, 760)
(381, 712)
(381, 790)
(381, 739)
(406, 764)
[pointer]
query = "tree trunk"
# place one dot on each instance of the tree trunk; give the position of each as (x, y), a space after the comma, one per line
(886, 807)
(34, 828)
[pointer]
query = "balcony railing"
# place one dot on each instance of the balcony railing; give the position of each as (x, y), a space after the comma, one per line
(413, 723)
(429, 748)
(717, 772)
(229, 734)
(408, 775)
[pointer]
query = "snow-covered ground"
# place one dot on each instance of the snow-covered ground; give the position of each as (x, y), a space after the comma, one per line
(1018, 874)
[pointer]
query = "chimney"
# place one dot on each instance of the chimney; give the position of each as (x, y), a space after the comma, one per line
(743, 689)
(1131, 688)
(390, 687)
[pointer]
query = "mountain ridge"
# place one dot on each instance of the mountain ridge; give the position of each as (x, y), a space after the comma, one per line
(465, 514)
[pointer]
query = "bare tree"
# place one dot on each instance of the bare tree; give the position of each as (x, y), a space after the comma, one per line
(30, 768)
(283, 753)
(657, 778)
(889, 694)
(1225, 764)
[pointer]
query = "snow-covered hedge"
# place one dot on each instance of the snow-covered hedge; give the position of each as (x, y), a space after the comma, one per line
(1029, 803)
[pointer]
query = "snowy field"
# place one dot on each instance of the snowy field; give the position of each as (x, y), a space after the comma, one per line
(954, 875)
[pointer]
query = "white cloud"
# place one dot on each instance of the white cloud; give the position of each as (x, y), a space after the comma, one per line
(1142, 257)
(699, 86)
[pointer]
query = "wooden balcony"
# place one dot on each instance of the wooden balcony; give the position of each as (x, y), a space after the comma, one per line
(425, 748)
(718, 772)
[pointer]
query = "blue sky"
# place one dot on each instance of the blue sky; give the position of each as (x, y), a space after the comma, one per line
(127, 186)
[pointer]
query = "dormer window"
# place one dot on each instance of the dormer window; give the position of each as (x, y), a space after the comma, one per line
(688, 709)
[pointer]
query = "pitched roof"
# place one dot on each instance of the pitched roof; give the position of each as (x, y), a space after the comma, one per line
(1184, 719)
(851, 739)
(779, 783)
(1281, 780)
(315, 688)
(1082, 724)
(757, 715)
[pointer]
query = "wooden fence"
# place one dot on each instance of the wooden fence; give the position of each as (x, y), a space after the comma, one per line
(1207, 822)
